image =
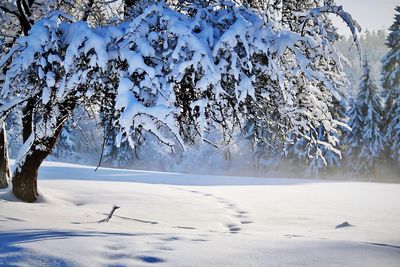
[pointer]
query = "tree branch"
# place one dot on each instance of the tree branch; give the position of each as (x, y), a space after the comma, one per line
(23, 19)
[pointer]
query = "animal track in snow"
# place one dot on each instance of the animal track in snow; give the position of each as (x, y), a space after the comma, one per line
(185, 227)
(150, 259)
(171, 238)
(233, 228)
(238, 215)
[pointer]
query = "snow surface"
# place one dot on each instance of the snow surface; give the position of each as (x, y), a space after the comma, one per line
(170, 219)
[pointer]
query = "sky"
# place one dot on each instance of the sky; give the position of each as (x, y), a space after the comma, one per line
(370, 14)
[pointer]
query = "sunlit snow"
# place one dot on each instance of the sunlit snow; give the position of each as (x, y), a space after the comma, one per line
(169, 219)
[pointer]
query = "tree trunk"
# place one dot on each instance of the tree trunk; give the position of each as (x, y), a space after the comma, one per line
(4, 166)
(25, 176)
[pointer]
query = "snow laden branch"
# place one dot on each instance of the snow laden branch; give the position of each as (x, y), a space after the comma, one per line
(353, 25)
(8, 56)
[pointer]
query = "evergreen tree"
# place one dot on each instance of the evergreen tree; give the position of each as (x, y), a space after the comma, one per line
(66, 147)
(391, 85)
(393, 133)
(354, 140)
(366, 139)
(373, 44)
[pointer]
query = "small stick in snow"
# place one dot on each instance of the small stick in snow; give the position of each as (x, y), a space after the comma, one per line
(115, 207)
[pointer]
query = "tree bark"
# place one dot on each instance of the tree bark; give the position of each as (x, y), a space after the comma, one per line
(4, 164)
(27, 120)
(25, 176)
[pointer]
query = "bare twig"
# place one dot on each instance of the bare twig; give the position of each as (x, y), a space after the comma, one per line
(210, 143)
(102, 148)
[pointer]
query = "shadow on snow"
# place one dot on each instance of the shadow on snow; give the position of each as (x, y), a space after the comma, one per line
(13, 254)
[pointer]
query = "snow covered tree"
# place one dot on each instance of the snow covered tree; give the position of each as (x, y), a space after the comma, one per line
(174, 75)
(354, 137)
(66, 147)
(391, 85)
(297, 17)
(366, 139)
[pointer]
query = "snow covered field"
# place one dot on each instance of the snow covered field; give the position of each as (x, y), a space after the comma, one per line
(170, 219)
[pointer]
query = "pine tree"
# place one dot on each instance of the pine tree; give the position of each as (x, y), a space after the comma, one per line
(393, 133)
(354, 141)
(391, 85)
(66, 147)
(373, 46)
(366, 139)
